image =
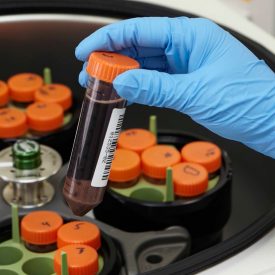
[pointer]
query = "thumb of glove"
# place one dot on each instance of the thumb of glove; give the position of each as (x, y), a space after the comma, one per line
(155, 88)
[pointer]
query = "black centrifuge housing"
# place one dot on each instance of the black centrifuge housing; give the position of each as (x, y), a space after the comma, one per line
(26, 29)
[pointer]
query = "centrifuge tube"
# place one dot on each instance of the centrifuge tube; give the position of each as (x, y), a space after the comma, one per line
(97, 133)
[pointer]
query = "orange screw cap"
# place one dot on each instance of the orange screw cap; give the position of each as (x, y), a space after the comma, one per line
(125, 166)
(79, 232)
(55, 93)
(44, 117)
(13, 123)
(190, 179)
(106, 66)
(23, 86)
(40, 227)
(4, 93)
(203, 152)
(156, 159)
(136, 140)
(82, 259)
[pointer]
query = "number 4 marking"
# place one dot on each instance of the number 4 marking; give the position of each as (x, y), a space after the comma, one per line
(80, 250)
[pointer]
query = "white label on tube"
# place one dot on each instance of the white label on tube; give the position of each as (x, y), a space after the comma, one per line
(103, 167)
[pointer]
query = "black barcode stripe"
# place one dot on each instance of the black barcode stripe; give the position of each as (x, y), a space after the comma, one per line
(112, 148)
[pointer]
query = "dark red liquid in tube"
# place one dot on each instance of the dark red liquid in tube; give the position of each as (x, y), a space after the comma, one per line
(97, 133)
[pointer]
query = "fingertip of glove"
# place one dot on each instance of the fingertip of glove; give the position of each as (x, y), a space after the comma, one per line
(83, 79)
(127, 78)
(125, 84)
(79, 53)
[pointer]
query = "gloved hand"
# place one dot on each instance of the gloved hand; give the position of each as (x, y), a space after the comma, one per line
(197, 68)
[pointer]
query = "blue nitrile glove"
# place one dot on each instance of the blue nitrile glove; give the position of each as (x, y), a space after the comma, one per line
(195, 67)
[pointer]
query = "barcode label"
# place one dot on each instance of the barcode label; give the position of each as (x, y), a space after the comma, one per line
(103, 167)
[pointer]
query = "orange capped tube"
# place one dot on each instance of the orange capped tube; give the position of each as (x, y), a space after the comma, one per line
(13, 123)
(44, 117)
(155, 160)
(55, 93)
(97, 133)
(136, 140)
(205, 153)
(39, 230)
(79, 232)
(4, 94)
(23, 86)
(82, 259)
(125, 169)
(190, 179)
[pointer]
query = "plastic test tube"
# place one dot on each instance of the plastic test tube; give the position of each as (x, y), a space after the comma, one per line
(97, 133)
(136, 140)
(205, 153)
(13, 123)
(125, 170)
(39, 230)
(23, 86)
(79, 232)
(54, 92)
(4, 94)
(156, 159)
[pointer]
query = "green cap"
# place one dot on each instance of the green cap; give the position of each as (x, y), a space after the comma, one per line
(26, 154)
